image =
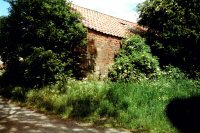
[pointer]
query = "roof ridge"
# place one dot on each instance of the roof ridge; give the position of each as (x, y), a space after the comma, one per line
(105, 23)
(104, 14)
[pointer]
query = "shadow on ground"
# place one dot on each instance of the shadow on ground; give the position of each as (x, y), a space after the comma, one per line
(15, 119)
(184, 113)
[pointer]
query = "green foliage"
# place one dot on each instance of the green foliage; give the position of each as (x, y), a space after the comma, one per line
(173, 73)
(19, 93)
(71, 99)
(142, 105)
(139, 106)
(173, 31)
(42, 67)
(2, 21)
(45, 35)
(135, 61)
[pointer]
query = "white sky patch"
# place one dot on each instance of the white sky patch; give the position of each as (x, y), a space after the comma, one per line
(124, 9)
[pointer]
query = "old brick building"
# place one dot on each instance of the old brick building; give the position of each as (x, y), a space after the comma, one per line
(105, 34)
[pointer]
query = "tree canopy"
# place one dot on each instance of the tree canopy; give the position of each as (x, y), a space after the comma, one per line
(40, 40)
(173, 31)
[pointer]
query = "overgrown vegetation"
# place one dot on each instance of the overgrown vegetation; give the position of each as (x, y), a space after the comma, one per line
(41, 42)
(133, 105)
(173, 32)
(134, 62)
(42, 46)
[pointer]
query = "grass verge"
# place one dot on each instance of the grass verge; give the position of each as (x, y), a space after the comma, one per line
(133, 105)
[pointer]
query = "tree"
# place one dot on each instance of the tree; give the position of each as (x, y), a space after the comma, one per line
(41, 35)
(173, 31)
(134, 62)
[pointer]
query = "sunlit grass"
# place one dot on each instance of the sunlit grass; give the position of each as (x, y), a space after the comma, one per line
(138, 106)
(1, 72)
(135, 105)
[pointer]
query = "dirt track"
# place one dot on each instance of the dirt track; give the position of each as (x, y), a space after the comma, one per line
(15, 119)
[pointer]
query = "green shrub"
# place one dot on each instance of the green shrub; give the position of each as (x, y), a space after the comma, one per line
(134, 62)
(19, 93)
(174, 24)
(173, 72)
(45, 35)
(42, 67)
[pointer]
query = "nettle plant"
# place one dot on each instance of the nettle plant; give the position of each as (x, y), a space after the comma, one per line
(134, 62)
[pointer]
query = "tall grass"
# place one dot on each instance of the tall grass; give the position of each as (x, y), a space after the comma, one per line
(131, 105)
(71, 99)
(135, 105)
(142, 105)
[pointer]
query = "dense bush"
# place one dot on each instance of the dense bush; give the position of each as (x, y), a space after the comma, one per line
(173, 32)
(42, 67)
(40, 40)
(173, 72)
(135, 61)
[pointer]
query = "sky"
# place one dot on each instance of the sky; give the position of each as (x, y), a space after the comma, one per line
(3, 8)
(124, 9)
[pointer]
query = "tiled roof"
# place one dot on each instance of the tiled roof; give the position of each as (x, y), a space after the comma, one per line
(105, 23)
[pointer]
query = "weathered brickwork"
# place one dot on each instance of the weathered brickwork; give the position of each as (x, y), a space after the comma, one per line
(105, 33)
(102, 49)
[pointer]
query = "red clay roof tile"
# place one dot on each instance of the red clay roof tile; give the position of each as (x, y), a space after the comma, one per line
(105, 23)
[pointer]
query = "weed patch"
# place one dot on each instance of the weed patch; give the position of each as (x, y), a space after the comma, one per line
(135, 105)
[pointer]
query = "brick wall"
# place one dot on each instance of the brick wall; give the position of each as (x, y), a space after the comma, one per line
(102, 50)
